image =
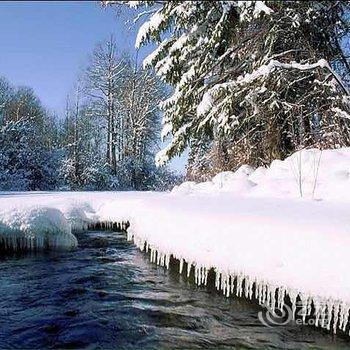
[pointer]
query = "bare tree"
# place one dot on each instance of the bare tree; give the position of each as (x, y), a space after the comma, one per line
(103, 77)
(126, 98)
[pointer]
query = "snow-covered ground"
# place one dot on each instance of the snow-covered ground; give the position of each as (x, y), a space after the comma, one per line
(283, 230)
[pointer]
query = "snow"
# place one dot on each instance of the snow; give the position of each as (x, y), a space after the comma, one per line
(263, 71)
(206, 104)
(261, 7)
(277, 231)
(341, 113)
(258, 8)
(271, 242)
(307, 174)
(35, 228)
(153, 23)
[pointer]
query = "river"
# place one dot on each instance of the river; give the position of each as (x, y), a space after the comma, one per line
(106, 294)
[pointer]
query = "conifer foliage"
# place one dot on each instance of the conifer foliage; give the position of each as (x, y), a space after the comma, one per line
(259, 79)
(28, 158)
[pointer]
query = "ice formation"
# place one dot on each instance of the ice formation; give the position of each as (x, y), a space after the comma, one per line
(328, 313)
(277, 234)
(35, 228)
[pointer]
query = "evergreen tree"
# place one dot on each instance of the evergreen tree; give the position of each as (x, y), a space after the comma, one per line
(29, 157)
(25, 164)
(259, 78)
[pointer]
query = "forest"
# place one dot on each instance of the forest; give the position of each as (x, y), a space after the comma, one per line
(106, 139)
(252, 81)
(104, 245)
(231, 83)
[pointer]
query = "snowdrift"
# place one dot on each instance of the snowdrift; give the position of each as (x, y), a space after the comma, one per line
(307, 174)
(275, 234)
(35, 228)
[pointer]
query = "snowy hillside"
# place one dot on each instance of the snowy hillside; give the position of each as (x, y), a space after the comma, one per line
(283, 230)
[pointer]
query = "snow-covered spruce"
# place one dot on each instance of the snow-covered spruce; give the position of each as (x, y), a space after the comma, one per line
(241, 92)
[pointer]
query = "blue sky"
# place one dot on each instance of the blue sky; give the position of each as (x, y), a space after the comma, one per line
(44, 45)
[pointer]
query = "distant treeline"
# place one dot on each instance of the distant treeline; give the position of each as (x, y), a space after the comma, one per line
(106, 139)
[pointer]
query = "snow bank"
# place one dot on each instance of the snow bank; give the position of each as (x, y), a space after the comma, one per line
(44, 220)
(35, 228)
(48, 220)
(80, 215)
(261, 230)
(308, 174)
(262, 246)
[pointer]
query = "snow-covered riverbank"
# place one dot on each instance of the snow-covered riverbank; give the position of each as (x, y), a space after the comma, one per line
(253, 227)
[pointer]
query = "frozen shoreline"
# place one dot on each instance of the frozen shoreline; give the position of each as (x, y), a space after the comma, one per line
(250, 226)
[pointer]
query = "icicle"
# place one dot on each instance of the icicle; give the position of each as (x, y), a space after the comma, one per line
(224, 284)
(317, 311)
(336, 317)
(330, 307)
(346, 316)
(232, 284)
(267, 296)
(196, 275)
(309, 306)
(293, 300)
(181, 265)
(258, 291)
(129, 236)
(188, 269)
(217, 280)
(206, 277)
(167, 261)
(221, 281)
(238, 285)
(272, 298)
(265, 292)
(304, 302)
(228, 289)
(323, 314)
(250, 291)
(283, 295)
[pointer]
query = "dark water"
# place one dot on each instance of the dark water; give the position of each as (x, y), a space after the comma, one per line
(106, 295)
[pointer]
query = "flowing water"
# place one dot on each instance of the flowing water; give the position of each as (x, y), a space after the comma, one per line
(106, 294)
